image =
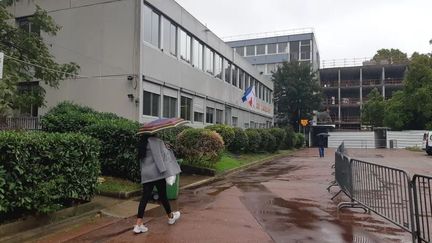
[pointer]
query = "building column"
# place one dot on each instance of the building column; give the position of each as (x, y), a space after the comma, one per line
(339, 97)
(361, 89)
(382, 82)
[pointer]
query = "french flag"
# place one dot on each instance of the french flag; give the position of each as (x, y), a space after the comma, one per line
(249, 96)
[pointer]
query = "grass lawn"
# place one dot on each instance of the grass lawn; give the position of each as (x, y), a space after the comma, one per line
(112, 184)
(230, 161)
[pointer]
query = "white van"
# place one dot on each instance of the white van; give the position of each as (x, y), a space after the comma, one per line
(427, 142)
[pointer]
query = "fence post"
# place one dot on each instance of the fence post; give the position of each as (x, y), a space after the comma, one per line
(415, 219)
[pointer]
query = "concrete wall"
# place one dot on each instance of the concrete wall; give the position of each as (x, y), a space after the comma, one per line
(100, 37)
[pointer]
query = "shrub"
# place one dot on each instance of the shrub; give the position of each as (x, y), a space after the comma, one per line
(118, 153)
(117, 136)
(226, 132)
(300, 139)
(198, 146)
(170, 135)
(279, 135)
(240, 141)
(290, 138)
(254, 140)
(41, 171)
(265, 139)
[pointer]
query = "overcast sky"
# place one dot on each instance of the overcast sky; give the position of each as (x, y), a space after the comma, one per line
(343, 28)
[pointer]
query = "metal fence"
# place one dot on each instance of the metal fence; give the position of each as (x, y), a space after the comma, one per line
(423, 207)
(20, 123)
(388, 192)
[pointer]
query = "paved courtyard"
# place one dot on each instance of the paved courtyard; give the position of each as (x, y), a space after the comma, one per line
(284, 200)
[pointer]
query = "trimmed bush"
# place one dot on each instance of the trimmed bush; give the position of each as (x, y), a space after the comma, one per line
(117, 136)
(290, 138)
(40, 171)
(254, 140)
(279, 135)
(265, 139)
(300, 139)
(118, 154)
(227, 133)
(199, 146)
(240, 141)
(170, 135)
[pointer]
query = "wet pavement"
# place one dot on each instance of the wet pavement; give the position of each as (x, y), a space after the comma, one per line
(284, 200)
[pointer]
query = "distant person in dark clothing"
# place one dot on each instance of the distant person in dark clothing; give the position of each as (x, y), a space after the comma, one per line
(321, 144)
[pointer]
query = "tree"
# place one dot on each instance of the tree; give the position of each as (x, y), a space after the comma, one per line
(296, 91)
(396, 113)
(373, 110)
(27, 58)
(392, 56)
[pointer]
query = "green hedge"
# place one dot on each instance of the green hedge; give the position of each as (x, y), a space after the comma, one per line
(290, 138)
(299, 140)
(279, 135)
(254, 140)
(117, 135)
(240, 141)
(227, 133)
(199, 146)
(41, 171)
(170, 135)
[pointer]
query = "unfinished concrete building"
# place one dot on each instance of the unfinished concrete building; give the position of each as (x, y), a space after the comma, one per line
(347, 84)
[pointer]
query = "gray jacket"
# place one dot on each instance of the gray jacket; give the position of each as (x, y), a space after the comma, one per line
(159, 162)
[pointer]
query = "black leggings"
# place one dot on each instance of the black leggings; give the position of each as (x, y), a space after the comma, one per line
(147, 192)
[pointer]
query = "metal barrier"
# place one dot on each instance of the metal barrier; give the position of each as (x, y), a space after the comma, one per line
(423, 207)
(388, 192)
(384, 190)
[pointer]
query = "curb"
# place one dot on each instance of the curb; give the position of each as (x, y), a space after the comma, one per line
(235, 170)
(121, 195)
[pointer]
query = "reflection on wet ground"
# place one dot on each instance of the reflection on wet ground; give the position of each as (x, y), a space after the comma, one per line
(297, 219)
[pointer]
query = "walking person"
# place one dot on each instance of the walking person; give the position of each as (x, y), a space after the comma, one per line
(157, 163)
(321, 144)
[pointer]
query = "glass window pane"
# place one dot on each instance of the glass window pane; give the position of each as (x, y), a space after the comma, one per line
(155, 104)
(241, 78)
(234, 75)
(305, 50)
(173, 39)
(250, 50)
(185, 108)
(208, 54)
(282, 47)
(147, 103)
(209, 115)
(218, 66)
(198, 117)
(240, 50)
(195, 53)
(155, 29)
(166, 34)
(227, 66)
(188, 48)
(260, 50)
(271, 48)
(294, 51)
(147, 24)
(219, 114)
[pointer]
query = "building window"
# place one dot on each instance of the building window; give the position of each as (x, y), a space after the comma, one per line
(247, 82)
(197, 54)
(234, 121)
(240, 50)
(260, 50)
(169, 107)
(294, 51)
(209, 58)
(252, 124)
(271, 48)
(198, 116)
(246, 125)
(27, 26)
(234, 75)
(241, 78)
(28, 108)
(227, 67)
(186, 108)
(250, 50)
(151, 26)
(169, 37)
(219, 116)
(209, 115)
(151, 104)
(218, 66)
(305, 50)
(185, 46)
(282, 47)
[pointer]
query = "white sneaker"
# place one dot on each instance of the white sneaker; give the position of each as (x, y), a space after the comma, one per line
(176, 215)
(140, 229)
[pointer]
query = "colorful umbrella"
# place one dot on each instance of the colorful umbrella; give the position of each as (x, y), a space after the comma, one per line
(160, 124)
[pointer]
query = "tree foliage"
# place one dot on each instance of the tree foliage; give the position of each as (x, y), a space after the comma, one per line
(392, 56)
(297, 92)
(373, 110)
(28, 58)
